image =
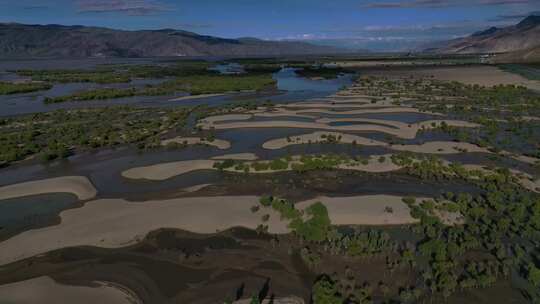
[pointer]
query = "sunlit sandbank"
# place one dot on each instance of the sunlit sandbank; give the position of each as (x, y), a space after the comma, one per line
(47, 291)
(77, 185)
(127, 222)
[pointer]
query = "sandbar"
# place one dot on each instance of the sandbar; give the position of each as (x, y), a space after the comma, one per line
(113, 223)
(80, 186)
(481, 75)
(320, 136)
(44, 290)
(165, 171)
(398, 129)
(364, 210)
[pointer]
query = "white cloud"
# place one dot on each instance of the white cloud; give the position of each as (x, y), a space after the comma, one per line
(129, 7)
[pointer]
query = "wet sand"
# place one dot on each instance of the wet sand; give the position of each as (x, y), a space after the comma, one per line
(77, 185)
(44, 290)
(406, 131)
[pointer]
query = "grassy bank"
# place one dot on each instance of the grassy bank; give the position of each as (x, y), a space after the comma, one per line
(194, 85)
(529, 71)
(8, 88)
(118, 73)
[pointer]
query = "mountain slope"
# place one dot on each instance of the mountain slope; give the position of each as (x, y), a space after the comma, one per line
(19, 40)
(524, 35)
(521, 56)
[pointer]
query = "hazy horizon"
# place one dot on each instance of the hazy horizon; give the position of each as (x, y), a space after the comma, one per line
(376, 25)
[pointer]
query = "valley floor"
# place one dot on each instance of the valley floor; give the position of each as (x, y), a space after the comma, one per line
(409, 185)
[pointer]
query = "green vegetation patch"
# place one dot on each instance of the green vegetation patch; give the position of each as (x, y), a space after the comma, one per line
(59, 133)
(70, 76)
(8, 88)
(195, 85)
(311, 224)
(119, 73)
(529, 71)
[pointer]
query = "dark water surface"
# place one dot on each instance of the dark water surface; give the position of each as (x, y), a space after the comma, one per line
(290, 88)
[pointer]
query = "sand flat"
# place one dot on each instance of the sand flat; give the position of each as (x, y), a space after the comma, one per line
(365, 210)
(113, 223)
(482, 75)
(329, 105)
(315, 137)
(433, 147)
(311, 125)
(406, 131)
(165, 171)
(284, 113)
(80, 186)
(368, 111)
(427, 124)
(44, 290)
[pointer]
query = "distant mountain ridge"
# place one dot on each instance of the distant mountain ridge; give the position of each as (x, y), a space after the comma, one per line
(522, 36)
(21, 40)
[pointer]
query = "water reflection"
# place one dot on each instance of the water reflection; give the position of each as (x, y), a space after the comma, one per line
(288, 80)
(290, 88)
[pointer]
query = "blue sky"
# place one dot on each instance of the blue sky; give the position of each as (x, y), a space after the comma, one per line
(358, 23)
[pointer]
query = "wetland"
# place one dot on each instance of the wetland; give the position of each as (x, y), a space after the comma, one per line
(309, 181)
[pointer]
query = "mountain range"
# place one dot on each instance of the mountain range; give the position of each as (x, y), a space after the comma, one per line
(520, 42)
(523, 37)
(20, 40)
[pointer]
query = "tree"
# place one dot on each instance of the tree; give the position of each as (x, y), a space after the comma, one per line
(533, 274)
(325, 292)
(317, 226)
(254, 300)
